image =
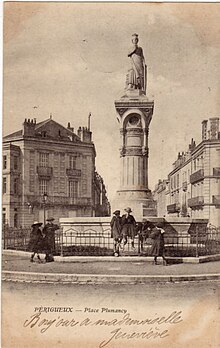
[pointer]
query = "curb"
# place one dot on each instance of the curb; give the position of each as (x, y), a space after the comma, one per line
(101, 278)
(83, 259)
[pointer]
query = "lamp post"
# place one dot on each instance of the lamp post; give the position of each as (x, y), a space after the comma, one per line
(44, 205)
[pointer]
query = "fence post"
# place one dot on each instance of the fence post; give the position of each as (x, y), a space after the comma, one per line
(197, 239)
(139, 248)
(61, 242)
(4, 239)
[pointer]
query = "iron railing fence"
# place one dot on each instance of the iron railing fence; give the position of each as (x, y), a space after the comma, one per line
(18, 238)
(196, 243)
(193, 244)
(89, 243)
(15, 238)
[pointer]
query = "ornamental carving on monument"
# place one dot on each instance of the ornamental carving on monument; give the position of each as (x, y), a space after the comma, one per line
(146, 110)
(145, 151)
(134, 131)
(123, 131)
(121, 111)
(133, 152)
(122, 151)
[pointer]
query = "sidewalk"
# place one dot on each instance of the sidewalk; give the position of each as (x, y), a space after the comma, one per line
(102, 270)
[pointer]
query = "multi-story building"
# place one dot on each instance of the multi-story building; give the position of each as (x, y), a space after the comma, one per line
(50, 170)
(194, 182)
(161, 196)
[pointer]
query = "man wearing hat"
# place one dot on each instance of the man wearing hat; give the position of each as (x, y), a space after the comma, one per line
(49, 232)
(116, 231)
(128, 227)
(36, 240)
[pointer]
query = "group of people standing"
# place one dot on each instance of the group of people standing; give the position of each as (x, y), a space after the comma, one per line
(43, 240)
(125, 226)
(122, 228)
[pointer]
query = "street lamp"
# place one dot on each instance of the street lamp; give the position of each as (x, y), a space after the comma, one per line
(44, 205)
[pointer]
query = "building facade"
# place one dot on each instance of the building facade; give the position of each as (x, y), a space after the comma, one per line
(161, 196)
(194, 182)
(50, 170)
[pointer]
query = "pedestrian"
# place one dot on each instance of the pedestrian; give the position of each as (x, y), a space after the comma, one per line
(157, 249)
(144, 231)
(128, 227)
(49, 233)
(116, 231)
(36, 240)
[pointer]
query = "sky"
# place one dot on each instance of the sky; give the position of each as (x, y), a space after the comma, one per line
(70, 59)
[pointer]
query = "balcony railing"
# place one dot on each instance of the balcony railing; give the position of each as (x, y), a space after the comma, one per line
(81, 201)
(216, 171)
(185, 186)
(196, 201)
(59, 200)
(216, 200)
(73, 172)
(173, 208)
(197, 176)
(44, 172)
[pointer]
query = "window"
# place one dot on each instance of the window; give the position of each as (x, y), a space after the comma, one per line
(194, 162)
(72, 162)
(43, 187)
(4, 162)
(16, 220)
(3, 216)
(44, 159)
(15, 162)
(73, 188)
(4, 185)
(15, 186)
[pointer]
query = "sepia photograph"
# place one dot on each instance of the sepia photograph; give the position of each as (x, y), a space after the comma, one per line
(110, 175)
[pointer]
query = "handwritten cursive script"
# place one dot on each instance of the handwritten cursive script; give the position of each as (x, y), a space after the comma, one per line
(152, 327)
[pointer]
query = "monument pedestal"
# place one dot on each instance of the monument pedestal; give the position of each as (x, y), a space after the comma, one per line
(134, 115)
(141, 203)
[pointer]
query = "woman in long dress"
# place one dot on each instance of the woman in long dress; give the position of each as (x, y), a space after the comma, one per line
(136, 75)
(36, 240)
(157, 249)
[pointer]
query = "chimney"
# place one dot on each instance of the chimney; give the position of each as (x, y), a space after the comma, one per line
(204, 129)
(214, 128)
(85, 135)
(29, 127)
(70, 128)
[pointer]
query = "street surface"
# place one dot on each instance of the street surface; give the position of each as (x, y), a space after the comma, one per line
(19, 263)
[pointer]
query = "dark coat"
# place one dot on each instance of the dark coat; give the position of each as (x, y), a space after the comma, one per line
(115, 227)
(49, 240)
(128, 226)
(36, 240)
(157, 248)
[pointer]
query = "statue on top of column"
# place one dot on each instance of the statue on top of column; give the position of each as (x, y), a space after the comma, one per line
(136, 76)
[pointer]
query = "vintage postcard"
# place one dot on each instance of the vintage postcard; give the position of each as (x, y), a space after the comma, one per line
(111, 175)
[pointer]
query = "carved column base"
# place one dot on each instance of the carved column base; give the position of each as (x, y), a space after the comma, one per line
(140, 202)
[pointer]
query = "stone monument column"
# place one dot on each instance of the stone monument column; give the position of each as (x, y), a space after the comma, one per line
(134, 113)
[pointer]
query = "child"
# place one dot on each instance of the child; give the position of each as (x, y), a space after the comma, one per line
(116, 231)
